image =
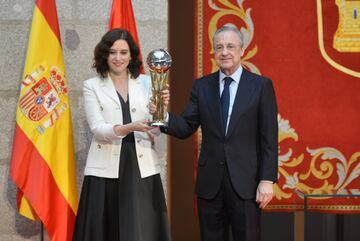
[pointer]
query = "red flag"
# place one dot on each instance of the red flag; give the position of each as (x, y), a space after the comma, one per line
(43, 161)
(122, 16)
(314, 64)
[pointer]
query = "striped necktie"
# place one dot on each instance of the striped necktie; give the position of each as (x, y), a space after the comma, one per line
(225, 101)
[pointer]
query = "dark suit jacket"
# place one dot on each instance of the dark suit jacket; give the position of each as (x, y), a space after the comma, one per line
(250, 148)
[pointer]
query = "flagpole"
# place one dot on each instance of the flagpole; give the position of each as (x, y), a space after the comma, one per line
(41, 231)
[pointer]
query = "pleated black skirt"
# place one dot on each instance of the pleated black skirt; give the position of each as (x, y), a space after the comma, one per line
(129, 208)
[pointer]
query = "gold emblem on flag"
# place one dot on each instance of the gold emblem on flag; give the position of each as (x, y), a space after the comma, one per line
(40, 100)
(346, 39)
(347, 36)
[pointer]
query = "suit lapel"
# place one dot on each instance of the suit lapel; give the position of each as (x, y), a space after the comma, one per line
(109, 89)
(242, 99)
(213, 100)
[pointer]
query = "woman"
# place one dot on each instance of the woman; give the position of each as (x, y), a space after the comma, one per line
(122, 197)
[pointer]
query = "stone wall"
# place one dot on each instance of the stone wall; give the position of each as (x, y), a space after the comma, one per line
(82, 23)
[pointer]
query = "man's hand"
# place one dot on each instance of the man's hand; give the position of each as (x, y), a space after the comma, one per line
(165, 95)
(264, 193)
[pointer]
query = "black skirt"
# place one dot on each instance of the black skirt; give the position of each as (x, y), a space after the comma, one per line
(128, 208)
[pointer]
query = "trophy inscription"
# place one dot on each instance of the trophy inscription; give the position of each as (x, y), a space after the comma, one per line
(159, 63)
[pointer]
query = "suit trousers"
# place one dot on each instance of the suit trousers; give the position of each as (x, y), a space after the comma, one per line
(228, 211)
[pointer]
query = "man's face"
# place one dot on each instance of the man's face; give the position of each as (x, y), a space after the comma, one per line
(228, 52)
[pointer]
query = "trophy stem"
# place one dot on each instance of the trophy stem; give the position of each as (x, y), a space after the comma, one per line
(158, 80)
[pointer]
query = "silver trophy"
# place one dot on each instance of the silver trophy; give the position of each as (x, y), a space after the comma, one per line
(159, 62)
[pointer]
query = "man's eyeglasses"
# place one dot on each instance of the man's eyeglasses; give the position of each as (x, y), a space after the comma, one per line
(229, 47)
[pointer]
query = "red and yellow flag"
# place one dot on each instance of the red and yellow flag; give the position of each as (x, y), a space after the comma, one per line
(122, 16)
(43, 164)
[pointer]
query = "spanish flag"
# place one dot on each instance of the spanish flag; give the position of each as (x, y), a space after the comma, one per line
(122, 16)
(43, 163)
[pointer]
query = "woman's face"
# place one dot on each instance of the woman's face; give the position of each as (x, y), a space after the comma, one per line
(119, 57)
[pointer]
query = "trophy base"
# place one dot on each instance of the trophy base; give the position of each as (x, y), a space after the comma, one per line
(158, 123)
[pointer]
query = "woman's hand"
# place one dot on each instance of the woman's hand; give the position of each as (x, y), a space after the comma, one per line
(140, 126)
(123, 130)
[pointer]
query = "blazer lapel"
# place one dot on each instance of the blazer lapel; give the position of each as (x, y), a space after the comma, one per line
(109, 89)
(136, 97)
(242, 99)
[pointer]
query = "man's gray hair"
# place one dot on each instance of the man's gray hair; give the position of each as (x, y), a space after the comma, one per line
(228, 28)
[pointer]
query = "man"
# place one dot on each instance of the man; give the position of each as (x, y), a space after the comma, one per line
(237, 166)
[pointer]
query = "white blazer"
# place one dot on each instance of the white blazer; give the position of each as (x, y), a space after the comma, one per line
(103, 111)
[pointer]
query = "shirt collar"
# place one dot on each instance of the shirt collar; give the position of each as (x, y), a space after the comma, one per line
(235, 76)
